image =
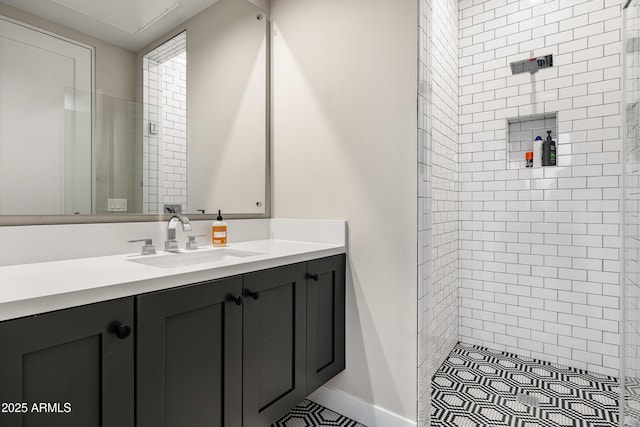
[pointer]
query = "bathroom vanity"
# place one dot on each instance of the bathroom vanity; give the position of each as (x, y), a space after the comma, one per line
(233, 342)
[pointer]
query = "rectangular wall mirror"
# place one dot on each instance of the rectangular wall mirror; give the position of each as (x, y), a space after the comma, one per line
(124, 113)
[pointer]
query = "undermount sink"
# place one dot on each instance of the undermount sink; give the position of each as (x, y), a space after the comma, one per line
(184, 259)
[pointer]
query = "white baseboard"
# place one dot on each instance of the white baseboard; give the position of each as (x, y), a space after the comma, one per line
(358, 410)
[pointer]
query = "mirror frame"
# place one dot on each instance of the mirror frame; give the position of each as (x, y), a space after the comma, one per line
(18, 220)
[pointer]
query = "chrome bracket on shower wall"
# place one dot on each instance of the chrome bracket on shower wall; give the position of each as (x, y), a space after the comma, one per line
(532, 65)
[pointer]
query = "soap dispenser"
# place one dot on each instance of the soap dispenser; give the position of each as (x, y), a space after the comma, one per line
(549, 151)
(219, 231)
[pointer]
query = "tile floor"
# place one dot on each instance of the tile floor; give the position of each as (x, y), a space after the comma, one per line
(479, 387)
(632, 395)
(310, 414)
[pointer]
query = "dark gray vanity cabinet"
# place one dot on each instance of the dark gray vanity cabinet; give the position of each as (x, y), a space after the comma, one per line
(325, 320)
(71, 368)
(293, 334)
(189, 356)
(274, 350)
(238, 351)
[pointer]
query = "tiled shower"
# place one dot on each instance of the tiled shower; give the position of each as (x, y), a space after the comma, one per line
(631, 221)
(165, 126)
(438, 187)
(529, 261)
(540, 247)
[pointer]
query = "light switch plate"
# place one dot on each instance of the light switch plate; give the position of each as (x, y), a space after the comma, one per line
(153, 128)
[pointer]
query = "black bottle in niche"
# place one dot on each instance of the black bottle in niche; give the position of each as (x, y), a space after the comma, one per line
(549, 151)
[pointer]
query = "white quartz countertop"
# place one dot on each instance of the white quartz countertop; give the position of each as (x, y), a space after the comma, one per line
(27, 289)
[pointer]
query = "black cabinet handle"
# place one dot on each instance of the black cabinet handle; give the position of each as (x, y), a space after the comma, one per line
(237, 300)
(252, 294)
(121, 330)
(308, 276)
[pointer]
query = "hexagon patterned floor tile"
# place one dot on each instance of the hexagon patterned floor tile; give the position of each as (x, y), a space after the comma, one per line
(479, 387)
(632, 396)
(310, 414)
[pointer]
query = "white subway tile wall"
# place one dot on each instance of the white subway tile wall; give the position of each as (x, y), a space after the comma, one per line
(424, 213)
(632, 219)
(540, 248)
(165, 105)
(438, 192)
(174, 130)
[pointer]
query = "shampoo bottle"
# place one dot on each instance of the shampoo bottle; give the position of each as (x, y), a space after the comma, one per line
(537, 152)
(219, 231)
(549, 151)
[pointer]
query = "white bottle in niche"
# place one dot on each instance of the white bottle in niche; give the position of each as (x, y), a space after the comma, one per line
(537, 152)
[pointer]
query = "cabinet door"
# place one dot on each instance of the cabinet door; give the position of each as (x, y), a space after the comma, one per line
(325, 320)
(274, 331)
(189, 356)
(74, 365)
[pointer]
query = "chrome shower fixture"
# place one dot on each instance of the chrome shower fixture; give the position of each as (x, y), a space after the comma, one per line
(532, 65)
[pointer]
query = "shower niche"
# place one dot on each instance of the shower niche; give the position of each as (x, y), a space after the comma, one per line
(522, 131)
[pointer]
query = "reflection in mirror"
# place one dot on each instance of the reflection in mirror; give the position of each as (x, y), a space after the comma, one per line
(45, 123)
(118, 159)
(90, 127)
(164, 152)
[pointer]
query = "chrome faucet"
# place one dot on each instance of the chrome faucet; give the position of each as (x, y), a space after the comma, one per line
(171, 244)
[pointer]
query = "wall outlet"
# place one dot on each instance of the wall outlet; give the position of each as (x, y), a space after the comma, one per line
(117, 205)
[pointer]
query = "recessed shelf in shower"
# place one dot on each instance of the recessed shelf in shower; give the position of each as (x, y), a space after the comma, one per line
(521, 132)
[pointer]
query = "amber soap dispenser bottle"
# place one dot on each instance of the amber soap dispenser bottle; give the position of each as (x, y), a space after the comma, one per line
(219, 231)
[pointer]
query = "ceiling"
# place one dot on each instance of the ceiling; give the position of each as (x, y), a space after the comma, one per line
(131, 24)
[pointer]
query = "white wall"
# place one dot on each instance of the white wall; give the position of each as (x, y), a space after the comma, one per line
(226, 107)
(344, 146)
(540, 248)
